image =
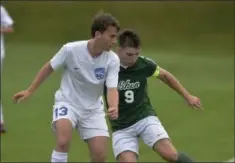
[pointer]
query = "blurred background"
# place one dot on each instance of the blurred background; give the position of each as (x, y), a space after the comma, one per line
(194, 40)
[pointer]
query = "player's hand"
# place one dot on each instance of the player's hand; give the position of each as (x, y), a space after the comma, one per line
(113, 113)
(21, 96)
(194, 102)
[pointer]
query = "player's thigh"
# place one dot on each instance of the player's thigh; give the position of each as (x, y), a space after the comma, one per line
(94, 130)
(125, 144)
(153, 131)
(156, 137)
(93, 124)
(64, 120)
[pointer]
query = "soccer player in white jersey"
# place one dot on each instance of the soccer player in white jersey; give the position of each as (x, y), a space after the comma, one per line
(6, 27)
(78, 102)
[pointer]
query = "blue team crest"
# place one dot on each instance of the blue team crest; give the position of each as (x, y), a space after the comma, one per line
(99, 73)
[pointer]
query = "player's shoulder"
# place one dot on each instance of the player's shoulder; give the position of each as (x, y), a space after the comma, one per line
(146, 60)
(112, 56)
(75, 44)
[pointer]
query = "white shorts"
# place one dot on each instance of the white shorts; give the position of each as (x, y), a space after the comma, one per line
(149, 129)
(89, 123)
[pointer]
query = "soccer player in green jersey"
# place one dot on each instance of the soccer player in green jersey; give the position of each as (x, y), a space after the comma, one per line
(137, 117)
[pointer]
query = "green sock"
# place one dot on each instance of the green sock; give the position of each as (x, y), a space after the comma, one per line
(183, 158)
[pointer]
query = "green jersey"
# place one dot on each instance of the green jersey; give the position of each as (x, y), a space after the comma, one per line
(134, 103)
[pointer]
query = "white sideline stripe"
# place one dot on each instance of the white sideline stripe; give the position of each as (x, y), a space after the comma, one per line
(230, 160)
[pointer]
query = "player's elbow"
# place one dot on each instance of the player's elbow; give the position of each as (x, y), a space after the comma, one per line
(47, 68)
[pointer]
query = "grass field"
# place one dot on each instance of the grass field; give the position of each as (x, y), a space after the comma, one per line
(206, 136)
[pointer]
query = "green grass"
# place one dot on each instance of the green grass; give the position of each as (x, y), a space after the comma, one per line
(206, 136)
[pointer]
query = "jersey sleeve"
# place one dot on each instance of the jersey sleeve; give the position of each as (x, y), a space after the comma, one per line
(59, 59)
(152, 68)
(112, 74)
(6, 20)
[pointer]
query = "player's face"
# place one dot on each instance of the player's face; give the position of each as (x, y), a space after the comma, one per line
(108, 38)
(128, 56)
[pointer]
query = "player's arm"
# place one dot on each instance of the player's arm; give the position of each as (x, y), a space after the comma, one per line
(57, 61)
(111, 84)
(171, 81)
(112, 92)
(44, 72)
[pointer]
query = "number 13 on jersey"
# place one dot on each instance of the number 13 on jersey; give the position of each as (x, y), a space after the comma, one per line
(62, 111)
(129, 96)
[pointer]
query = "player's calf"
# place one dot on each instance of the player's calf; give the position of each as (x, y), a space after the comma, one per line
(127, 156)
(168, 152)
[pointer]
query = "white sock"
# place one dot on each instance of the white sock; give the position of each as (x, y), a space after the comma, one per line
(59, 157)
(2, 121)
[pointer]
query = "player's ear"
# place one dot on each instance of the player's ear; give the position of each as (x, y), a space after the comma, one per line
(97, 34)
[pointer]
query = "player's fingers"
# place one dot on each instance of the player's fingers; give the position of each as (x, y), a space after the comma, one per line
(194, 106)
(17, 95)
(22, 98)
(110, 110)
(113, 115)
(15, 98)
(109, 114)
(200, 107)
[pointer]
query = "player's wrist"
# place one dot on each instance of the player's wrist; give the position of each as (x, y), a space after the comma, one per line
(186, 96)
(30, 90)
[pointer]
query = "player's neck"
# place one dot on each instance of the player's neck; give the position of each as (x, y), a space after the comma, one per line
(124, 66)
(93, 48)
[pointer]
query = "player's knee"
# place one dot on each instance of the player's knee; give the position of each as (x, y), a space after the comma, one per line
(171, 156)
(63, 140)
(166, 150)
(127, 156)
(99, 156)
(63, 132)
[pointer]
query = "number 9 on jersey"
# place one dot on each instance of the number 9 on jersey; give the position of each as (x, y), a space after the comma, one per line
(129, 96)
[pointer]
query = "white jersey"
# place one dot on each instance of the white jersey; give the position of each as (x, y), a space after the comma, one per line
(6, 21)
(84, 76)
